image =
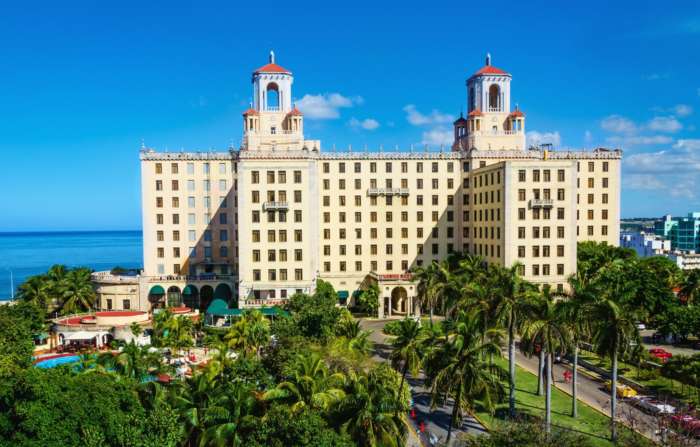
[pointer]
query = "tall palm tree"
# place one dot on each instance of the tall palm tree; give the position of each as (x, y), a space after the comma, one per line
(36, 290)
(406, 353)
(548, 325)
(193, 399)
(690, 286)
(133, 362)
(427, 279)
(76, 291)
(614, 329)
(368, 411)
(310, 383)
(513, 296)
(575, 311)
(458, 367)
(180, 332)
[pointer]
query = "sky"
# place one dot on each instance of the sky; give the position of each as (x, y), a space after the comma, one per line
(83, 85)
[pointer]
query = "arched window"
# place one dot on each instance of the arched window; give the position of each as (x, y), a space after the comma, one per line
(273, 97)
(494, 98)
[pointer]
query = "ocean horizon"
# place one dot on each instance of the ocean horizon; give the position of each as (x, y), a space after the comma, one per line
(28, 253)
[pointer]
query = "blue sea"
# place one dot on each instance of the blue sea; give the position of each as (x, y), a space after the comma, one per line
(31, 253)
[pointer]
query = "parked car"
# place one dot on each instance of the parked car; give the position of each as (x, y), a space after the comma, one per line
(660, 354)
(622, 389)
(652, 406)
(687, 424)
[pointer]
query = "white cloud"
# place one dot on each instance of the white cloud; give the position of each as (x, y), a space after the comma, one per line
(682, 110)
(535, 138)
(673, 170)
(664, 124)
(367, 123)
(327, 105)
(639, 140)
(642, 181)
(438, 136)
(417, 118)
(618, 124)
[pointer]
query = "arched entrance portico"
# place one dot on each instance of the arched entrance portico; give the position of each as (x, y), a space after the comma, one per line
(206, 296)
(190, 296)
(156, 297)
(174, 296)
(399, 300)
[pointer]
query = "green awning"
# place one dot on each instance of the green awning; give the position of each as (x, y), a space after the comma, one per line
(343, 294)
(219, 307)
(157, 290)
(188, 290)
(42, 336)
(356, 293)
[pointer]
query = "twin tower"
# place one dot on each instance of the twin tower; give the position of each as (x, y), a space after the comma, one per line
(273, 122)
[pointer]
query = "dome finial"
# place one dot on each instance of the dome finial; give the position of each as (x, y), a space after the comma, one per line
(272, 57)
(488, 58)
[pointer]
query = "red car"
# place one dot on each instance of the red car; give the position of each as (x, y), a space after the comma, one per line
(660, 353)
(687, 424)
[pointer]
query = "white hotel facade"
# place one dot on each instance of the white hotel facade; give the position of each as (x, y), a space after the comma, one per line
(256, 224)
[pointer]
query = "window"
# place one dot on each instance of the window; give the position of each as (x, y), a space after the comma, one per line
(521, 232)
(297, 196)
(297, 255)
(256, 236)
(521, 194)
(159, 168)
(521, 175)
(298, 274)
(297, 176)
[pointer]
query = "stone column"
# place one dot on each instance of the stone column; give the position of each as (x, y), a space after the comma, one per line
(380, 309)
(389, 301)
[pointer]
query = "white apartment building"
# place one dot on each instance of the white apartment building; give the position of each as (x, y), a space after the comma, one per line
(253, 225)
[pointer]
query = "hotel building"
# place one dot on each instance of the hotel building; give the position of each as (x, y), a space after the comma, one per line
(256, 224)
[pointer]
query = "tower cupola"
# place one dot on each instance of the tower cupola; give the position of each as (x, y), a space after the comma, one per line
(272, 87)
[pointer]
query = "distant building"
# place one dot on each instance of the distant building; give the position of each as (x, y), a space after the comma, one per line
(686, 261)
(684, 232)
(645, 244)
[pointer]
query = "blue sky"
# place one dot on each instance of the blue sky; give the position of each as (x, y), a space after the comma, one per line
(83, 83)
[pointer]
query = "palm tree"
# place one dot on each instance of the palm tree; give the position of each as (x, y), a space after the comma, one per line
(76, 291)
(369, 413)
(458, 367)
(548, 326)
(575, 311)
(427, 278)
(193, 399)
(310, 383)
(406, 353)
(231, 410)
(614, 330)
(690, 287)
(179, 332)
(513, 296)
(133, 362)
(249, 333)
(36, 290)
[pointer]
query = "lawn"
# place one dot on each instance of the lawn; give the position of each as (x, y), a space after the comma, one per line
(589, 422)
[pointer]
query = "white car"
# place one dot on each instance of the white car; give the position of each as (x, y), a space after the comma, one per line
(651, 405)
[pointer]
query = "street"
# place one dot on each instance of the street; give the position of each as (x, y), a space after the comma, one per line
(437, 420)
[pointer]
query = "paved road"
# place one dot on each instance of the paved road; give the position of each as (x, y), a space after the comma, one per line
(436, 421)
(591, 391)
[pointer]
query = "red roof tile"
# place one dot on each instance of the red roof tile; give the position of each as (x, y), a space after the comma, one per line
(295, 112)
(475, 112)
(490, 69)
(517, 112)
(272, 68)
(250, 111)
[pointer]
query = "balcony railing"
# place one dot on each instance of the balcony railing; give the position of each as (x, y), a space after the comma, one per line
(541, 203)
(202, 277)
(273, 108)
(274, 206)
(494, 109)
(387, 191)
(407, 276)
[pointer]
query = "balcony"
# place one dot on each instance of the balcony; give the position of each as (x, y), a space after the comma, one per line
(387, 192)
(541, 203)
(275, 206)
(266, 302)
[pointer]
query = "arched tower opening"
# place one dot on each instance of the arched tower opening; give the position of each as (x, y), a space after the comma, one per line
(272, 96)
(494, 98)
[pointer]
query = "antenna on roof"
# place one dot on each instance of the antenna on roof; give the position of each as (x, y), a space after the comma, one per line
(272, 57)
(488, 58)
(143, 143)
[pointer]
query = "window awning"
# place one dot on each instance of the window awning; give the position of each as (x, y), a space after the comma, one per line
(219, 307)
(157, 290)
(343, 294)
(189, 290)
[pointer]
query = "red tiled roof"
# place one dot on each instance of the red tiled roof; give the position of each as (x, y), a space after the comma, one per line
(295, 112)
(272, 68)
(250, 111)
(475, 112)
(490, 69)
(517, 112)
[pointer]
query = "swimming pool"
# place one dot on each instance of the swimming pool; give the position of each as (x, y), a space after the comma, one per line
(53, 362)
